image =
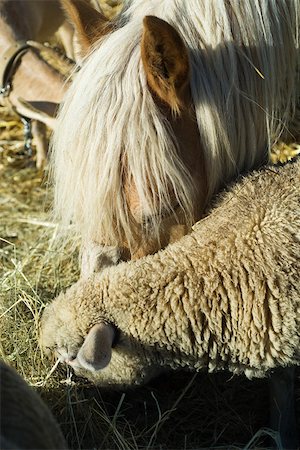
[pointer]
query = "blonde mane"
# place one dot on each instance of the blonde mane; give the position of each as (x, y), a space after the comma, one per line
(243, 57)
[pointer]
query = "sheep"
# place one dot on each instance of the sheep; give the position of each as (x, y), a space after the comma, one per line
(224, 296)
(25, 420)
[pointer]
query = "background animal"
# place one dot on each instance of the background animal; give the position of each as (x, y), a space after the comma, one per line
(224, 296)
(173, 100)
(29, 76)
(25, 420)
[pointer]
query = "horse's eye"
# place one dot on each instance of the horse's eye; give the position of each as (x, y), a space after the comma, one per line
(147, 221)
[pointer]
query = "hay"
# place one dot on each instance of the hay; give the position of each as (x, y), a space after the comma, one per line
(178, 410)
(109, 7)
(282, 152)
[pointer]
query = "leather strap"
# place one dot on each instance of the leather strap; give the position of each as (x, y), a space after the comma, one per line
(8, 65)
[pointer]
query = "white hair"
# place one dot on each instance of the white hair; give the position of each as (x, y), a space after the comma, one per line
(243, 57)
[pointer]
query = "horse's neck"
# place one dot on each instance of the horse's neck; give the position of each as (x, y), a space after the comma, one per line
(7, 38)
(48, 85)
(22, 21)
(15, 24)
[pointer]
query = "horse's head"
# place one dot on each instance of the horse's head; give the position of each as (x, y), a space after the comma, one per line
(155, 210)
(166, 65)
(160, 116)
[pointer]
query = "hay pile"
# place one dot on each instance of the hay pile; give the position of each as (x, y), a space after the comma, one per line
(109, 7)
(178, 410)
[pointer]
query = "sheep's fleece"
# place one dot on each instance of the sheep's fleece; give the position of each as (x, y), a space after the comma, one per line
(225, 296)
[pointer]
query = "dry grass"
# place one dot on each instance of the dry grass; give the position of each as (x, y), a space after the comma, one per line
(176, 411)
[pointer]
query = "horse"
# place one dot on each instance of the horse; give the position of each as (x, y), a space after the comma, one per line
(24, 74)
(173, 100)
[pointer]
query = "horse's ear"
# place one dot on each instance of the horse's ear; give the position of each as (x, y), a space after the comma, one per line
(166, 62)
(89, 24)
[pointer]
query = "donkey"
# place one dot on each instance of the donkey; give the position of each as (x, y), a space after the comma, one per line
(25, 75)
(174, 99)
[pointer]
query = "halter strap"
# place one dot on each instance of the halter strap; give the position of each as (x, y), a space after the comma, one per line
(8, 65)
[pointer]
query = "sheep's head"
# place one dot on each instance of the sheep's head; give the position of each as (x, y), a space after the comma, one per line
(95, 349)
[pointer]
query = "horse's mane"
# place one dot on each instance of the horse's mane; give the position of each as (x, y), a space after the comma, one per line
(243, 56)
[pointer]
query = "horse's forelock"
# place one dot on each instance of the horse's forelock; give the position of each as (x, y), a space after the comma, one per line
(110, 124)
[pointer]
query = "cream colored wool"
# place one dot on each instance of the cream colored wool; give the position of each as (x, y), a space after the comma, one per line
(225, 296)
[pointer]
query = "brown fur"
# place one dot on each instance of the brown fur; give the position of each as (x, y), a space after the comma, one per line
(166, 63)
(34, 80)
(90, 25)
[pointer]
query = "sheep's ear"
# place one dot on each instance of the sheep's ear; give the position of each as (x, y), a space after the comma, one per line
(166, 62)
(89, 24)
(95, 353)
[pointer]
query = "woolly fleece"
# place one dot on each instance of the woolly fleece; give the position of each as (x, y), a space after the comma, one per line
(224, 296)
